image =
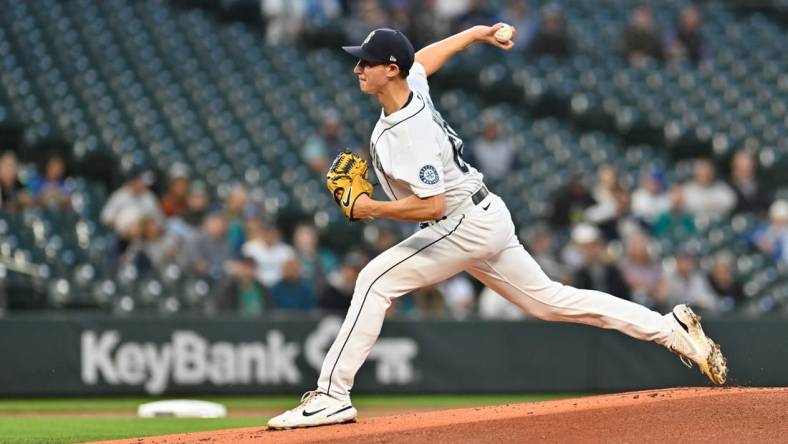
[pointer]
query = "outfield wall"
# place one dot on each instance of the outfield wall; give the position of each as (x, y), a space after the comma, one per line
(86, 356)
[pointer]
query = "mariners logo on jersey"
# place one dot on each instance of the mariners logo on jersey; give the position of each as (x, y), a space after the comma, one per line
(428, 174)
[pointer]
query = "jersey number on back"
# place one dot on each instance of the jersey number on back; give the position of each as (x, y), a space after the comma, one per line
(456, 146)
(454, 139)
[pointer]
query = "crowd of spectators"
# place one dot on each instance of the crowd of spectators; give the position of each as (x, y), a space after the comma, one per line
(540, 32)
(627, 261)
(543, 31)
(613, 231)
(233, 245)
(612, 243)
(642, 41)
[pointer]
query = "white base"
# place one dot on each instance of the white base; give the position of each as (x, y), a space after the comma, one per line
(182, 408)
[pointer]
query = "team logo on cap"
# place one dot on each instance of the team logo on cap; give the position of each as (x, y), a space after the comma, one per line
(428, 174)
(366, 40)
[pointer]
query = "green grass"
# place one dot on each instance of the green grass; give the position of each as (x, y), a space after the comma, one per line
(33, 405)
(26, 430)
(29, 429)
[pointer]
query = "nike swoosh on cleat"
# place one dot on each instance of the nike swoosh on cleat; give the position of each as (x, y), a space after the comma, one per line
(683, 325)
(341, 410)
(313, 413)
(347, 199)
(488, 206)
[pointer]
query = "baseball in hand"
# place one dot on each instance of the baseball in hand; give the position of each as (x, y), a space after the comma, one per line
(504, 33)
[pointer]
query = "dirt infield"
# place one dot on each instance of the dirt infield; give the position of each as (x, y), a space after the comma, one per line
(715, 415)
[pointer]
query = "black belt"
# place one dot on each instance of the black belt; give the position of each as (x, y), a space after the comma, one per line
(480, 195)
(477, 197)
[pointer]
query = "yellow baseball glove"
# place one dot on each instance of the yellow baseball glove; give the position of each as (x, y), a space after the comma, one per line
(347, 180)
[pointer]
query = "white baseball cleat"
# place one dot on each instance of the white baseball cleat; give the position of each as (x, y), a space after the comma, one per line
(316, 409)
(692, 345)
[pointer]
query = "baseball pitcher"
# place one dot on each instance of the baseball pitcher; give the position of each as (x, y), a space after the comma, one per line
(464, 227)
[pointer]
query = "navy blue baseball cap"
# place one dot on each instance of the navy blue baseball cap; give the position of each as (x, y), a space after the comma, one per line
(385, 45)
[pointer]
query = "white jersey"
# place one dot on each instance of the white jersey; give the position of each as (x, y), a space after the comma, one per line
(414, 151)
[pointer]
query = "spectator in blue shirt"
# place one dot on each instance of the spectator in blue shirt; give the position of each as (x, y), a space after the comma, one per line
(50, 188)
(772, 239)
(293, 292)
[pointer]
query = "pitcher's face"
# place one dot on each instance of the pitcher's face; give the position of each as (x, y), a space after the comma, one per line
(373, 76)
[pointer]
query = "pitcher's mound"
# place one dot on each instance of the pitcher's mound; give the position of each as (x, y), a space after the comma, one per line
(714, 415)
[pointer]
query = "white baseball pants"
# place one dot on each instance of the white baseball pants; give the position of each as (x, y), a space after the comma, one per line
(481, 241)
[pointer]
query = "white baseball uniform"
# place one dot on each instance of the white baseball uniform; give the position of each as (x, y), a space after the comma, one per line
(414, 151)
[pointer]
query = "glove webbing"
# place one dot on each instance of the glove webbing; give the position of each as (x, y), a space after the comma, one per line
(343, 168)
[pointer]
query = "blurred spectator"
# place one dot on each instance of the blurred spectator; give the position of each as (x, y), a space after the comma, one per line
(293, 292)
(650, 200)
(365, 15)
(399, 15)
(386, 238)
(478, 13)
(197, 203)
(153, 249)
(459, 296)
(612, 213)
(207, 254)
(751, 197)
(518, 14)
(640, 41)
(427, 302)
(605, 194)
(452, 8)
(723, 282)
(642, 273)
(772, 239)
(50, 187)
(337, 294)
(283, 20)
(321, 22)
(687, 41)
(267, 249)
(494, 306)
(320, 149)
(569, 204)
(316, 263)
(677, 222)
(428, 25)
(539, 241)
(130, 204)
(13, 195)
(492, 153)
(625, 223)
(186, 226)
(686, 284)
(240, 292)
(706, 196)
(234, 212)
(174, 203)
(598, 271)
(552, 37)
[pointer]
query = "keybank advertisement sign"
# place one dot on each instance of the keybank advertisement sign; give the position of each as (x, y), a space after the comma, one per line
(189, 358)
(84, 356)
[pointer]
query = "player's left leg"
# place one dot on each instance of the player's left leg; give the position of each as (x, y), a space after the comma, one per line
(515, 275)
(427, 257)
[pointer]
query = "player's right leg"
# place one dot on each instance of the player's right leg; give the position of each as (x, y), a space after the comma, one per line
(531, 290)
(515, 275)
